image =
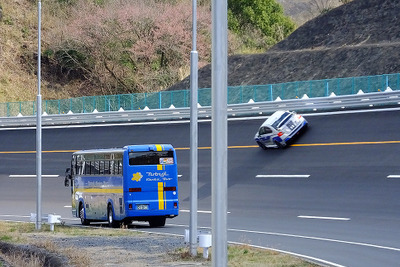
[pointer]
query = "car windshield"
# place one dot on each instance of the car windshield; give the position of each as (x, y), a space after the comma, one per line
(281, 120)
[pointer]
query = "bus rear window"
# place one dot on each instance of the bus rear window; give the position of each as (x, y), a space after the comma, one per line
(151, 158)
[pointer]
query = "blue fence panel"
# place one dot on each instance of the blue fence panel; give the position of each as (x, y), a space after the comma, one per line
(262, 93)
(318, 89)
(204, 97)
(235, 95)
(77, 105)
(13, 109)
(28, 108)
(247, 93)
(112, 103)
(393, 81)
(166, 99)
(152, 100)
(181, 98)
(65, 106)
(52, 107)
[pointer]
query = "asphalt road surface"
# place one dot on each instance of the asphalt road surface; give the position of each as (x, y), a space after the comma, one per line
(332, 196)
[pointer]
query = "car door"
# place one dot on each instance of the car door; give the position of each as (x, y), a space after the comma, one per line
(265, 134)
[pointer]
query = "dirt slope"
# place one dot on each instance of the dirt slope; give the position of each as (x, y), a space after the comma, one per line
(357, 39)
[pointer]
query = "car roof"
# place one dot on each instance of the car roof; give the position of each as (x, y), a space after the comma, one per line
(274, 117)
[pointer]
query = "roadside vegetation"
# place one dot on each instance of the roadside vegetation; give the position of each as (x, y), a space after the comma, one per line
(97, 47)
(25, 234)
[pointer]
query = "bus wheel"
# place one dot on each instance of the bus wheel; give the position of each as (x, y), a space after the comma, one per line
(157, 222)
(111, 222)
(82, 215)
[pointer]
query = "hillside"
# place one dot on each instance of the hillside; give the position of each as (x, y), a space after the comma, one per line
(92, 47)
(302, 11)
(357, 39)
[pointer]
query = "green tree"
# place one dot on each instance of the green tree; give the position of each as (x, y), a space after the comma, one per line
(245, 17)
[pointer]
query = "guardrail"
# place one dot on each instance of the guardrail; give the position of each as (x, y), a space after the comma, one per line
(181, 98)
(305, 105)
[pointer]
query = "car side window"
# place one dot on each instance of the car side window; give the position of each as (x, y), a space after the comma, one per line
(264, 130)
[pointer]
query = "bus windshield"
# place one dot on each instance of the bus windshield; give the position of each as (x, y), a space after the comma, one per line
(151, 158)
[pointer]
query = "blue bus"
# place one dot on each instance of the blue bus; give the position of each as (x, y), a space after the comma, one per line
(121, 185)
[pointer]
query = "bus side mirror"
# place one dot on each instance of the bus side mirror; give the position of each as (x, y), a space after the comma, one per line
(67, 176)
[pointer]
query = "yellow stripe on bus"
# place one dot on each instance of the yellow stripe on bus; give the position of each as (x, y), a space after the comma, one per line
(101, 190)
(160, 167)
(159, 148)
(160, 195)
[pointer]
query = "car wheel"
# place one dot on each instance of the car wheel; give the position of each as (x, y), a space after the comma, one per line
(262, 145)
(278, 144)
(110, 215)
(157, 222)
(82, 215)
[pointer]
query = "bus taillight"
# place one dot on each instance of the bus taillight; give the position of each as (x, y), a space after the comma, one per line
(137, 189)
(175, 205)
(170, 188)
(130, 206)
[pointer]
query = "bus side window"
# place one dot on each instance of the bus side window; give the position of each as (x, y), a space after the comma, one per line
(120, 167)
(117, 167)
(95, 167)
(87, 168)
(106, 167)
(78, 168)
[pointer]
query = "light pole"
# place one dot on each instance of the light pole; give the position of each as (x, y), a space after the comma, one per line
(39, 132)
(219, 126)
(193, 135)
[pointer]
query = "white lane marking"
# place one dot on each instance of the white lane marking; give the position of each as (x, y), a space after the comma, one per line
(28, 216)
(393, 176)
(283, 176)
(67, 206)
(32, 176)
(318, 239)
(16, 216)
(179, 175)
(201, 211)
(323, 218)
(328, 263)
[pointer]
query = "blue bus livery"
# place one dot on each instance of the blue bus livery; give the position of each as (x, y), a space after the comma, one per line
(120, 185)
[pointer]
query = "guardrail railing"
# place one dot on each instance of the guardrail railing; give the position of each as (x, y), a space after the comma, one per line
(181, 98)
(360, 100)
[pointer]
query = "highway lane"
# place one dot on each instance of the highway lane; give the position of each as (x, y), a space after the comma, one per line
(347, 181)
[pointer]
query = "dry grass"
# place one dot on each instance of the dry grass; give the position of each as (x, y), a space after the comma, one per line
(25, 233)
(26, 260)
(18, 44)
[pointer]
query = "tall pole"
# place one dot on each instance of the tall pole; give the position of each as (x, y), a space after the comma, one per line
(219, 143)
(193, 135)
(39, 132)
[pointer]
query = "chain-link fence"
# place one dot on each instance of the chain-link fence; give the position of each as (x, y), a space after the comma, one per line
(181, 98)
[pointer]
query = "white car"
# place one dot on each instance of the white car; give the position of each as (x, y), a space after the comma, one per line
(278, 130)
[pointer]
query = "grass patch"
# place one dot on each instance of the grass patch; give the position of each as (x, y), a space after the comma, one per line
(245, 256)
(14, 232)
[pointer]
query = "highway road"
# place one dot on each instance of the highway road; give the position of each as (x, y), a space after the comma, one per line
(332, 196)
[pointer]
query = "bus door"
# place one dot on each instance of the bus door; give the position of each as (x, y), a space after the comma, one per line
(152, 182)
